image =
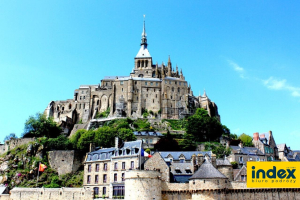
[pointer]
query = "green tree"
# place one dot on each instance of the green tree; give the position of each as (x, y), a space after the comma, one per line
(167, 143)
(126, 134)
(203, 127)
(246, 140)
(105, 136)
(218, 149)
(39, 126)
(75, 137)
(85, 140)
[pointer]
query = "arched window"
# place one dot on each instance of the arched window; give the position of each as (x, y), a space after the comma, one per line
(178, 89)
(97, 102)
(142, 63)
(70, 106)
(172, 89)
(153, 74)
(146, 62)
(138, 63)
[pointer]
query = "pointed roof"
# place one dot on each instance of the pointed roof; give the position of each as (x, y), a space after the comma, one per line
(207, 171)
(143, 52)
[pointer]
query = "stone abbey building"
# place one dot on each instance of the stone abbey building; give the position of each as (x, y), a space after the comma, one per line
(161, 89)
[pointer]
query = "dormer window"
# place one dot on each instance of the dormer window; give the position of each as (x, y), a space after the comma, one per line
(177, 170)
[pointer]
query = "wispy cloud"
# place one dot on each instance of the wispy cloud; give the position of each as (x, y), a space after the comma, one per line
(281, 84)
(270, 83)
(237, 68)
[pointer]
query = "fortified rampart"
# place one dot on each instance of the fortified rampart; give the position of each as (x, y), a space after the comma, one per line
(13, 143)
(51, 194)
(142, 185)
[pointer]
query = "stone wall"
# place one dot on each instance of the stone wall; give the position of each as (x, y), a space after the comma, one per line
(64, 161)
(13, 143)
(142, 185)
(51, 193)
(174, 186)
(4, 197)
(156, 162)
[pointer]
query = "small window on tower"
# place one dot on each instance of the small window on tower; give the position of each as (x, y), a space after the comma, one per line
(121, 82)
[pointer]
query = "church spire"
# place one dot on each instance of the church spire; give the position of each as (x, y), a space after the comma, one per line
(144, 35)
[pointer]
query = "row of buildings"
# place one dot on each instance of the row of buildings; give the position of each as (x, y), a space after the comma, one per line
(121, 171)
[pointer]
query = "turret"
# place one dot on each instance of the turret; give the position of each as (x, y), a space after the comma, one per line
(163, 70)
(169, 67)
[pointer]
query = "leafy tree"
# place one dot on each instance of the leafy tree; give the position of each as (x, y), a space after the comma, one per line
(105, 136)
(75, 138)
(233, 136)
(218, 149)
(59, 143)
(39, 126)
(234, 165)
(203, 127)
(246, 140)
(167, 143)
(85, 140)
(10, 136)
(126, 134)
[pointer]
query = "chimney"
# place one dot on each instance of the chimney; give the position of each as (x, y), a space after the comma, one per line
(213, 160)
(255, 136)
(270, 132)
(199, 159)
(92, 147)
(116, 142)
(241, 145)
(194, 162)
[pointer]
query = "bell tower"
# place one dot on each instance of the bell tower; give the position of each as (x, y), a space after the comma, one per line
(143, 59)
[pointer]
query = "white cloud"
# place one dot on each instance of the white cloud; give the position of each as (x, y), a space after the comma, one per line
(281, 84)
(275, 84)
(237, 68)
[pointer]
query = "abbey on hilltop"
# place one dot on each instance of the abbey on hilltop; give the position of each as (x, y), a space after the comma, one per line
(161, 89)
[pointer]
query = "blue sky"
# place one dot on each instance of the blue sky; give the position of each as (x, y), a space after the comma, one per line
(245, 54)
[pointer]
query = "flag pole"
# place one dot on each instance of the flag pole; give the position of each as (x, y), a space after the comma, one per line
(38, 174)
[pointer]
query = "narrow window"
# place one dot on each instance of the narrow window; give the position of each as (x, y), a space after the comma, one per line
(123, 176)
(104, 178)
(115, 177)
(123, 165)
(116, 165)
(122, 89)
(83, 97)
(97, 167)
(156, 83)
(132, 165)
(153, 100)
(89, 168)
(96, 179)
(104, 191)
(151, 83)
(105, 167)
(145, 83)
(89, 179)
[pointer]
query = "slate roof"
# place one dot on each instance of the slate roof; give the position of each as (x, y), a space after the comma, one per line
(281, 146)
(246, 150)
(208, 171)
(128, 148)
(181, 179)
(187, 154)
(182, 167)
(145, 133)
(222, 162)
